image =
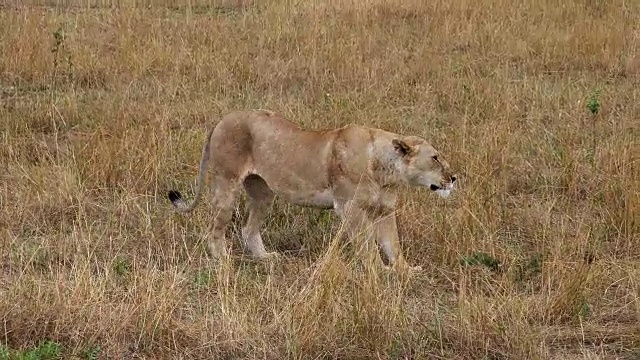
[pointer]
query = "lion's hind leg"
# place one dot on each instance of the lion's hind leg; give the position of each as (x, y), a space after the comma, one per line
(260, 198)
(225, 192)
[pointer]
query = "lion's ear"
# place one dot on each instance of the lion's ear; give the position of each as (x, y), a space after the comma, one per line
(401, 147)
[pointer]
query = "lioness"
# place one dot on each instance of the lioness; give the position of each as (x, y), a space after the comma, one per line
(354, 170)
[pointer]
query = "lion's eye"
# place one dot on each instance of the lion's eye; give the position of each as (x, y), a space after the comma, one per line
(435, 158)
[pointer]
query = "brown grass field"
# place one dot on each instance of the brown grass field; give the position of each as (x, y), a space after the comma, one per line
(103, 108)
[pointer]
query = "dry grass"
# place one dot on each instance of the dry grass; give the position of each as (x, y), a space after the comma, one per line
(104, 108)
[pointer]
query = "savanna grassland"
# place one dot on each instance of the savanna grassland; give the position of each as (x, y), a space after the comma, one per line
(536, 104)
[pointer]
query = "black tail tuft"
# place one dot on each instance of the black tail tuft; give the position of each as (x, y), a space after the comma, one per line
(174, 196)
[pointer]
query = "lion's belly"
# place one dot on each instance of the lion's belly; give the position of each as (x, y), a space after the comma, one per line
(318, 199)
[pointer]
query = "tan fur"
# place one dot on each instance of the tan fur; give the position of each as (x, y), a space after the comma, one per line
(354, 170)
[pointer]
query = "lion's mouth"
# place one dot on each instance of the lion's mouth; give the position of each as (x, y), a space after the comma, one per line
(442, 191)
(443, 186)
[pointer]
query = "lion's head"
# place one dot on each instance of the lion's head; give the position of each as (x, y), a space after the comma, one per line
(422, 165)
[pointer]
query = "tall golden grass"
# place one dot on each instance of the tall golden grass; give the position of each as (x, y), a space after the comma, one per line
(537, 256)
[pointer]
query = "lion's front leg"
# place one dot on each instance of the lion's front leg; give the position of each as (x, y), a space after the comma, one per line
(386, 234)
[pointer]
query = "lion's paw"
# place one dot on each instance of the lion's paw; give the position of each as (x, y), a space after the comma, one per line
(269, 255)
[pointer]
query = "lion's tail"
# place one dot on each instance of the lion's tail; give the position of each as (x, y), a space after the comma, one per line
(176, 198)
